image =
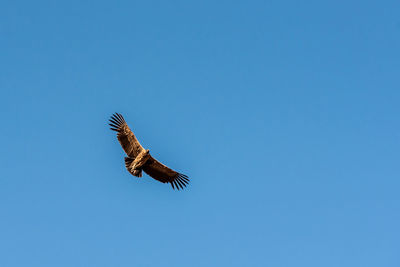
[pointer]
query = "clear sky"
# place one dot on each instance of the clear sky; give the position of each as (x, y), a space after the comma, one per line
(284, 114)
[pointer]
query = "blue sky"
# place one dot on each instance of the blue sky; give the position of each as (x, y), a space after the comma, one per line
(284, 114)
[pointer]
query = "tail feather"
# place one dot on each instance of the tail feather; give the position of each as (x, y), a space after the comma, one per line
(137, 173)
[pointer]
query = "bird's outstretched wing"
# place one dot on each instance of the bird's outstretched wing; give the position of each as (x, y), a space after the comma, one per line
(125, 136)
(162, 173)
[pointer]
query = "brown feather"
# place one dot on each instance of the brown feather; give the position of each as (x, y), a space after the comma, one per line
(125, 136)
(162, 173)
(128, 163)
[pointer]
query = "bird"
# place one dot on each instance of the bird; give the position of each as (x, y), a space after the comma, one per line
(139, 159)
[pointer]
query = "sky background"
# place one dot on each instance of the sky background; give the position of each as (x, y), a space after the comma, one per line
(284, 114)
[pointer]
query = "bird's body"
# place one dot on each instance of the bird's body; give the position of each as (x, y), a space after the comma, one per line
(135, 166)
(138, 159)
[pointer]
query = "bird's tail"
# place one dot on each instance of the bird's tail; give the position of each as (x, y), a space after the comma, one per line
(137, 173)
(128, 163)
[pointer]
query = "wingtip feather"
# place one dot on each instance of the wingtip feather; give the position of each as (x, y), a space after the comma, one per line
(116, 121)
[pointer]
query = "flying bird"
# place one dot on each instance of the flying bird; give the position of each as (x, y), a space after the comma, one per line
(139, 159)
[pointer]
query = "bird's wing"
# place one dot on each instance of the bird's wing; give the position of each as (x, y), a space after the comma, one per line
(162, 173)
(125, 136)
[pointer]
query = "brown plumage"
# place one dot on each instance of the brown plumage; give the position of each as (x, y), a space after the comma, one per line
(139, 159)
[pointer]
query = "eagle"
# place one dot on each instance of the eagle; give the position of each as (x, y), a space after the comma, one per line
(139, 159)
